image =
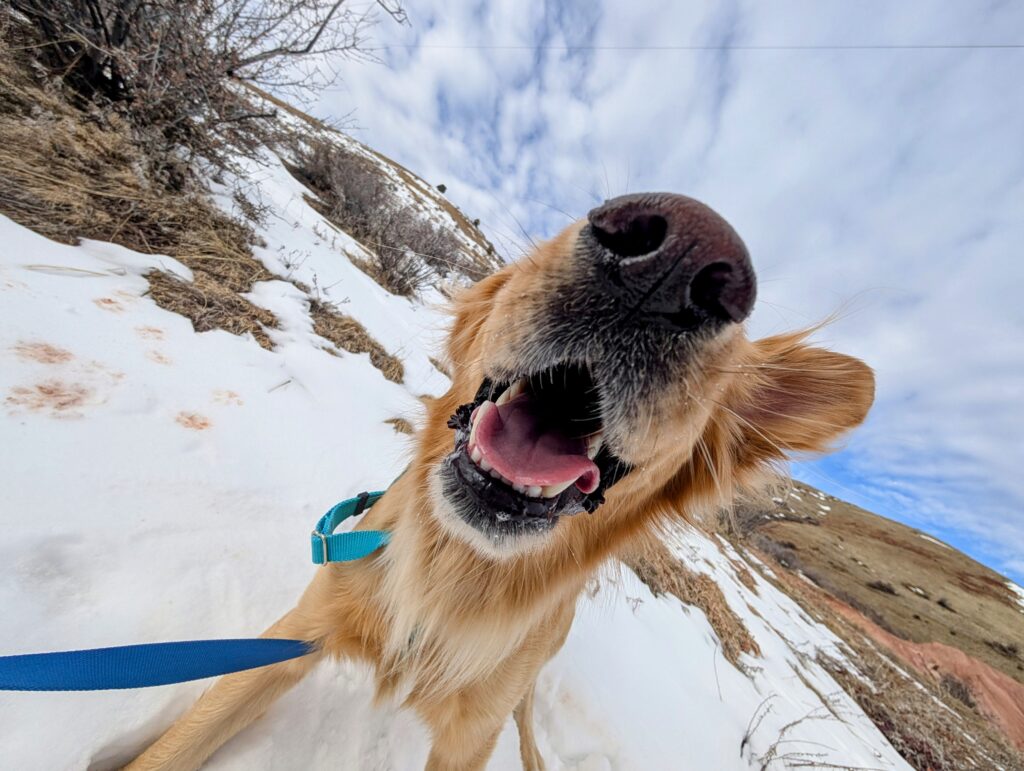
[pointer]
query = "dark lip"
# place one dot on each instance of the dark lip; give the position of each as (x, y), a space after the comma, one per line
(496, 508)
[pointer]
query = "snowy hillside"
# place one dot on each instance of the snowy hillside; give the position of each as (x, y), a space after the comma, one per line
(161, 484)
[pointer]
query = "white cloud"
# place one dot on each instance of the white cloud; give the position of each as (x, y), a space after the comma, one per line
(886, 182)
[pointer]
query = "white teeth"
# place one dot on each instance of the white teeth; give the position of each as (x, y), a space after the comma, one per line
(550, 491)
(594, 443)
(516, 388)
(533, 491)
(495, 474)
(480, 412)
(484, 464)
(475, 454)
(512, 392)
(519, 488)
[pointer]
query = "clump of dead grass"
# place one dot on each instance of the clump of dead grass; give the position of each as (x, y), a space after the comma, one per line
(665, 573)
(441, 367)
(69, 171)
(210, 305)
(401, 426)
(349, 335)
(744, 575)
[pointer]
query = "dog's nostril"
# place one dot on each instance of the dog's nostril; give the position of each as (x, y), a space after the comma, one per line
(710, 287)
(642, 234)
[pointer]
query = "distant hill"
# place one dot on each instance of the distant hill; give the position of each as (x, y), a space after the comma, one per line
(957, 623)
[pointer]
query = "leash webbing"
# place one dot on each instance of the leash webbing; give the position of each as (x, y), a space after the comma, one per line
(141, 666)
(149, 664)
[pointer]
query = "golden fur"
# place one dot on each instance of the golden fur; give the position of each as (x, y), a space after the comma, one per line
(460, 630)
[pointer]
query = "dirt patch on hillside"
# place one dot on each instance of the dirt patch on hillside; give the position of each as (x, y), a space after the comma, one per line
(998, 696)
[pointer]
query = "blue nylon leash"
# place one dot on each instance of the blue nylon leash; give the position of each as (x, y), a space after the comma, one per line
(141, 666)
(149, 664)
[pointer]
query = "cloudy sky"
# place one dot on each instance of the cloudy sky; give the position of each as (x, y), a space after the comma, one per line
(887, 184)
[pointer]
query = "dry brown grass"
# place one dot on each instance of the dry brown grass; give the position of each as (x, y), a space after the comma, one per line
(440, 367)
(349, 335)
(71, 173)
(744, 575)
(210, 305)
(401, 426)
(664, 573)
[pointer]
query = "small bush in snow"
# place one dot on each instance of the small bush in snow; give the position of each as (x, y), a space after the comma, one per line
(410, 250)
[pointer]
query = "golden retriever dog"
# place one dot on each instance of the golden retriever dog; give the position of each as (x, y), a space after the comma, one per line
(600, 386)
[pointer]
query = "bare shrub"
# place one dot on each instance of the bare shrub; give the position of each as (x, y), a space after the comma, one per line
(882, 586)
(167, 64)
(786, 557)
(957, 689)
(409, 250)
(1009, 650)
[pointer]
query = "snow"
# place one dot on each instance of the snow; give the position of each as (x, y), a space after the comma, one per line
(160, 485)
(935, 541)
(1019, 592)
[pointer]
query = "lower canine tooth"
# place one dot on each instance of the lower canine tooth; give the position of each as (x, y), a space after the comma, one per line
(480, 412)
(594, 443)
(550, 491)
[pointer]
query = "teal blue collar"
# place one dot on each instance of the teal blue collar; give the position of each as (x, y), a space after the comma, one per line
(355, 544)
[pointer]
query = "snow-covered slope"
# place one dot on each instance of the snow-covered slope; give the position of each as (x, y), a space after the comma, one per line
(160, 484)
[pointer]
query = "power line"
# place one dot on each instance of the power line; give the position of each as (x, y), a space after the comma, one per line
(858, 47)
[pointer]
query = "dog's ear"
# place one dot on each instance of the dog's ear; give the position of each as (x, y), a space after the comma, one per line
(800, 399)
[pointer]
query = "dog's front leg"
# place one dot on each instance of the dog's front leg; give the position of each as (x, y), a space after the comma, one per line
(465, 745)
(532, 761)
(465, 726)
(229, 706)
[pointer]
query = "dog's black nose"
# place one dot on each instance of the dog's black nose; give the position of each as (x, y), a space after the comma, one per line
(672, 259)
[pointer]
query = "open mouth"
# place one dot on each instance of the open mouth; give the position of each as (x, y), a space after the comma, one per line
(529, 450)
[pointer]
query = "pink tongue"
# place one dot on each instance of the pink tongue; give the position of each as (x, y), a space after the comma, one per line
(516, 445)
